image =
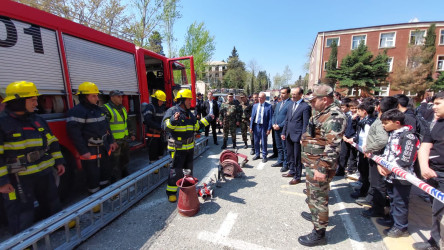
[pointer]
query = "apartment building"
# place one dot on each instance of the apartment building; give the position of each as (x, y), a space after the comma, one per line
(395, 38)
(215, 72)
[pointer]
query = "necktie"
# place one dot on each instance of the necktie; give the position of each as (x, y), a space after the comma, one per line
(294, 108)
(259, 118)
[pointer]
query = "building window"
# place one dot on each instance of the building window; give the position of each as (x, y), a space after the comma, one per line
(384, 90)
(440, 63)
(390, 64)
(417, 37)
(213, 68)
(216, 75)
(325, 65)
(441, 37)
(410, 93)
(220, 68)
(330, 40)
(357, 40)
(387, 40)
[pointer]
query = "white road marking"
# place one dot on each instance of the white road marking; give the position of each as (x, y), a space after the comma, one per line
(221, 237)
(354, 238)
(227, 224)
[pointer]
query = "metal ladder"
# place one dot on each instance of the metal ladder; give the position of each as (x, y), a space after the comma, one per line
(54, 232)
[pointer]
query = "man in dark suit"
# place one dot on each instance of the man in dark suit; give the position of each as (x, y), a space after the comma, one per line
(260, 126)
(279, 116)
(299, 112)
(210, 107)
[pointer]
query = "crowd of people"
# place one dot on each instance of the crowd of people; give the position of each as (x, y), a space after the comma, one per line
(322, 131)
(318, 131)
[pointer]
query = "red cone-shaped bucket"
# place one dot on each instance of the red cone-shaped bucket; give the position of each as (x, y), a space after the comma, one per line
(188, 204)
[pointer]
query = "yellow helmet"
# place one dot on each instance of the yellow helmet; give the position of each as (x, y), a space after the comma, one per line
(21, 89)
(159, 95)
(184, 93)
(87, 88)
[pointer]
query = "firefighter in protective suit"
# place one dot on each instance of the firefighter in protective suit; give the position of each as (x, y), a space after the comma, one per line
(181, 125)
(152, 115)
(28, 153)
(91, 134)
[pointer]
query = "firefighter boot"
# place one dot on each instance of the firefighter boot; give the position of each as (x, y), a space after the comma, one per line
(172, 198)
(315, 238)
(224, 145)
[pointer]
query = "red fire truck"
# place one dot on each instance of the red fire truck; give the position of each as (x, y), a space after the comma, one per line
(58, 55)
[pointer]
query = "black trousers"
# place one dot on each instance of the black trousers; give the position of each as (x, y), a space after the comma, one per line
(437, 231)
(344, 155)
(213, 130)
(96, 175)
(352, 163)
(39, 186)
(378, 188)
(182, 159)
(275, 150)
(156, 148)
(363, 169)
(294, 157)
(399, 203)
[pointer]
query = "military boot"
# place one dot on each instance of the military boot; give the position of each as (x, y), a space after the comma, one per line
(224, 145)
(246, 145)
(315, 238)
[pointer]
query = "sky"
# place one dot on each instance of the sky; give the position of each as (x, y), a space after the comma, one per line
(276, 33)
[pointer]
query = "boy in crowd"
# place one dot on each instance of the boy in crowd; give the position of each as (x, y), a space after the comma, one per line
(401, 149)
(344, 154)
(365, 112)
(376, 141)
(350, 133)
(432, 167)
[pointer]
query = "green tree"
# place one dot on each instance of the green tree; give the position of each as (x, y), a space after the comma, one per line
(332, 65)
(359, 70)
(147, 19)
(200, 44)
(155, 43)
(236, 73)
(438, 85)
(262, 80)
(416, 75)
(169, 17)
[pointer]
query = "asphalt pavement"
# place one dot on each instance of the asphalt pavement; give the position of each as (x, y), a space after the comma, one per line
(259, 211)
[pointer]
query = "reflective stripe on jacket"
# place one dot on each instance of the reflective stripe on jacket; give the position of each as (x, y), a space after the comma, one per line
(117, 124)
(184, 128)
(24, 135)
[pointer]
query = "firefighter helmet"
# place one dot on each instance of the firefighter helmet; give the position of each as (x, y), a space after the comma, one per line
(184, 93)
(159, 95)
(21, 89)
(87, 88)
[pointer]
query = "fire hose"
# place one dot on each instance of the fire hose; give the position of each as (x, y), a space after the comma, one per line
(404, 174)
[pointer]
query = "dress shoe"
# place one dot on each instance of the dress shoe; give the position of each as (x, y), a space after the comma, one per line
(224, 146)
(395, 232)
(273, 156)
(264, 160)
(385, 221)
(306, 216)
(252, 152)
(277, 164)
(255, 157)
(284, 169)
(215, 143)
(294, 181)
(372, 213)
(304, 191)
(315, 238)
(425, 246)
(363, 202)
(340, 173)
(288, 175)
(356, 194)
(246, 146)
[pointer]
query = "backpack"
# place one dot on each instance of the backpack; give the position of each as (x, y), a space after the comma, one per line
(416, 167)
(422, 128)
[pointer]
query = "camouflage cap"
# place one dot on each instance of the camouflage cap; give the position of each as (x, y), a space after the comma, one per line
(321, 90)
(116, 93)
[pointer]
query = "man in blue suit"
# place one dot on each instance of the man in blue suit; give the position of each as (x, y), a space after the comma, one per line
(260, 126)
(299, 112)
(278, 121)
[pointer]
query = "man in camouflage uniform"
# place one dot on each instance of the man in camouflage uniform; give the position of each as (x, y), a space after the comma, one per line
(320, 151)
(246, 115)
(230, 117)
